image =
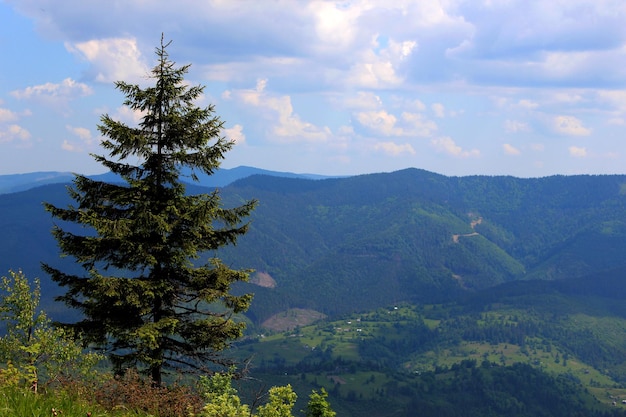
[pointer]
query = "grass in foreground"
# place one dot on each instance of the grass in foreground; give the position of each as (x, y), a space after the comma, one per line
(18, 402)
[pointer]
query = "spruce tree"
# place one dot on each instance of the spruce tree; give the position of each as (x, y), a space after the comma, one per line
(145, 295)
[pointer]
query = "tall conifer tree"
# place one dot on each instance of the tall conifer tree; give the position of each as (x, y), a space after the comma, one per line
(142, 295)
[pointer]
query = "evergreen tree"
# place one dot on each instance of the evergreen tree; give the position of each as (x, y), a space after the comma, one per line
(143, 296)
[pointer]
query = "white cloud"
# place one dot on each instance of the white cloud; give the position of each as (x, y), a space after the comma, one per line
(54, 94)
(577, 152)
(570, 125)
(386, 124)
(418, 125)
(438, 109)
(447, 145)
(567, 97)
(85, 139)
(513, 126)
(615, 98)
(286, 125)
(67, 146)
(363, 100)
(7, 115)
(113, 59)
(416, 104)
(380, 122)
(83, 133)
(235, 134)
(14, 132)
(126, 115)
(510, 149)
(528, 104)
(394, 149)
(374, 58)
(334, 26)
(379, 68)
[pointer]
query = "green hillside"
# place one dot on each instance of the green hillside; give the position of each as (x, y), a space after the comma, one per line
(521, 348)
(347, 244)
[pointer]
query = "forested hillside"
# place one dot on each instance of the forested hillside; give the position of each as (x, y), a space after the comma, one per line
(341, 245)
(347, 244)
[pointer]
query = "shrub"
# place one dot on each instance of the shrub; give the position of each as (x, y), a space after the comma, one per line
(32, 350)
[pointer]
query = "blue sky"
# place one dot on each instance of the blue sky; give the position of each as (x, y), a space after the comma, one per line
(528, 88)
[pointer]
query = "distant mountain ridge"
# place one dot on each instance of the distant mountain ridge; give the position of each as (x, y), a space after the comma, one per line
(20, 182)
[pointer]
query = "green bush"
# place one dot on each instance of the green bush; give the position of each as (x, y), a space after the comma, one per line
(33, 351)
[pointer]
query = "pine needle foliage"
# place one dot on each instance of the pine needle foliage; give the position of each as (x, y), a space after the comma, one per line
(145, 296)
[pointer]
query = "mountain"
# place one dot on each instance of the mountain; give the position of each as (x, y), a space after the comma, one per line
(222, 177)
(340, 245)
(19, 182)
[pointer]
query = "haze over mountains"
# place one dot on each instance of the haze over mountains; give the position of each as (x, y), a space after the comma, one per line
(338, 245)
(20, 182)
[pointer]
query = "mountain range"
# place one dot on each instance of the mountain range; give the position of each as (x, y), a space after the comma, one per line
(20, 182)
(337, 245)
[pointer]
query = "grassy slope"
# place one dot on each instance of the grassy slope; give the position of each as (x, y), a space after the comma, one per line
(361, 355)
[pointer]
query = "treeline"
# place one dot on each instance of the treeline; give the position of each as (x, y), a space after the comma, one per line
(468, 390)
(465, 389)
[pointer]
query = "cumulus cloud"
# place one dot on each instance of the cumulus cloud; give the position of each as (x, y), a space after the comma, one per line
(384, 123)
(527, 104)
(70, 147)
(54, 94)
(125, 114)
(379, 69)
(473, 39)
(510, 149)
(577, 152)
(335, 27)
(235, 134)
(112, 59)
(85, 139)
(514, 126)
(362, 100)
(82, 133)
(391, 69)
(615, 98)
(394, 149)
(287, 126)
(7, 115)
(448, 146)
(13, 133)
(439, 110)
(569, 125)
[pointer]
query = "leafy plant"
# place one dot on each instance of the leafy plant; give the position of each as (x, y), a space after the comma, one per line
(223, 400)
(32, 349)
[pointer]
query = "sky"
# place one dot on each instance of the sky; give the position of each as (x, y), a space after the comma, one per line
(528, 88)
